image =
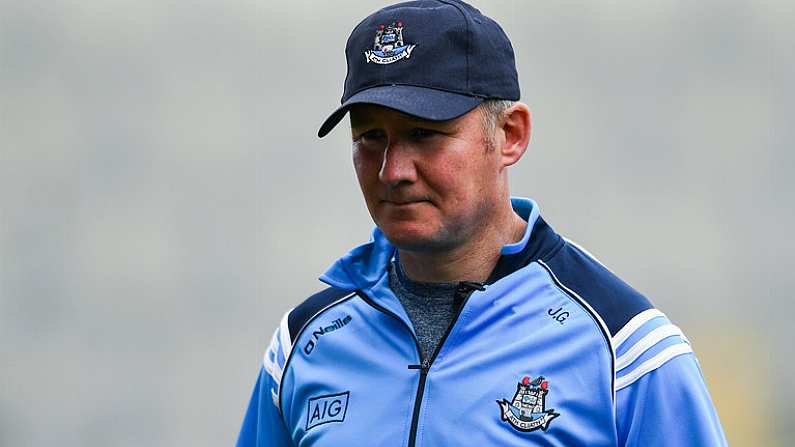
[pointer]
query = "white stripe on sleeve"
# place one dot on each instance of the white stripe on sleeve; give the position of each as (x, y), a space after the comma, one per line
(652, 338)
(271, 359)
(652, 364)
(634, 324)
(286, 343)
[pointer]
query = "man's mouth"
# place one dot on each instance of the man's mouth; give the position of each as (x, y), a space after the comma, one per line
(405, 202)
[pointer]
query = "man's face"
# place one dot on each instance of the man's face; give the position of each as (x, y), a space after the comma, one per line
(429, 186)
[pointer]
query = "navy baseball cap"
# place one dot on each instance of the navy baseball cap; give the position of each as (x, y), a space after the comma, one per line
(433, 59)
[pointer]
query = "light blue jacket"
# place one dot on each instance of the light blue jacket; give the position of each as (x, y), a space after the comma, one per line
(553, 350)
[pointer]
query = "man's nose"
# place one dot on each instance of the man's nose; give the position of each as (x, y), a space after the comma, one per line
(398, 164)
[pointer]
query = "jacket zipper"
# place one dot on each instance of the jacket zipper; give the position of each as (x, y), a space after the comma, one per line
(415, 417)
(462, 294)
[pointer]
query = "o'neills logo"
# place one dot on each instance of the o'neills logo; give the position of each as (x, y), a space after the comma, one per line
(339, 323)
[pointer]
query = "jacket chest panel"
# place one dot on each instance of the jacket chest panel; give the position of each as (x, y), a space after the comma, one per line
(481, 390)
(354, 377)
(356, 384)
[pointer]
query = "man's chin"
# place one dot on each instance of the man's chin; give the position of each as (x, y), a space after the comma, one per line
(415, 240)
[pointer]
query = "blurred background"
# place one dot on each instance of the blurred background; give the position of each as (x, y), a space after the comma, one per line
(164, 199)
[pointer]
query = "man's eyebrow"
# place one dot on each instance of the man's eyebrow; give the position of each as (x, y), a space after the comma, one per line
(360, 121)
(417, 121)
(364, 120)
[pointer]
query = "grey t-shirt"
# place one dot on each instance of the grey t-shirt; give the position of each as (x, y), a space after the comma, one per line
(430, 306)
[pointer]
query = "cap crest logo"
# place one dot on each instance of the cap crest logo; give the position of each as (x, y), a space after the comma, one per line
(527, 411)
(389, 46)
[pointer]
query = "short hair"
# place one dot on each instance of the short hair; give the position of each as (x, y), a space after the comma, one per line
(491, 111)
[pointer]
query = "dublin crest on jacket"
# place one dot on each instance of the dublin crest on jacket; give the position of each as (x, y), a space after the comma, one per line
(389, 46)
(527, 411)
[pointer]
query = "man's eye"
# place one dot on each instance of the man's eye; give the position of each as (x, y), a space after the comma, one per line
(370, 136)
(420, 133)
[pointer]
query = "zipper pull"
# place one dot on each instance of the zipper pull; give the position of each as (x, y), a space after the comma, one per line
(464, 289)
(423, 367)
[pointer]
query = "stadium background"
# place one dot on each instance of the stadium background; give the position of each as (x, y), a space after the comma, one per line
(164, 198)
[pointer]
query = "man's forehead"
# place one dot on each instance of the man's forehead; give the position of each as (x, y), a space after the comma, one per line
(364, 114)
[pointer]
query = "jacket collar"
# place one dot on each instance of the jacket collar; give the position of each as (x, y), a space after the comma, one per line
(364, 266)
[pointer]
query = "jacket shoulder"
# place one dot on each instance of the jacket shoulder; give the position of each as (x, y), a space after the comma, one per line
(579, 272)
(312, 306)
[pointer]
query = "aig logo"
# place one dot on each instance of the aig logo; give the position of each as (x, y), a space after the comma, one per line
(325, 409)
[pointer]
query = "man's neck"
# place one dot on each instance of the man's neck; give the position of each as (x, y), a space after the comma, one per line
(473, 261)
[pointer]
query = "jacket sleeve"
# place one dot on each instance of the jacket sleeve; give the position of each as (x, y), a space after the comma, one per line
(669, 406)
(263, 425)
(661, 397)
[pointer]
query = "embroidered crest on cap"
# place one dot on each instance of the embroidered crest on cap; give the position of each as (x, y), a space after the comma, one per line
(389, 46)
(527, 411)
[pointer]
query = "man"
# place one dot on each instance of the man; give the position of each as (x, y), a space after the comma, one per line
(466, 320)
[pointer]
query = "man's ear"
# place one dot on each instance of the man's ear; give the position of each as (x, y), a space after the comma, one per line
(515, 126)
